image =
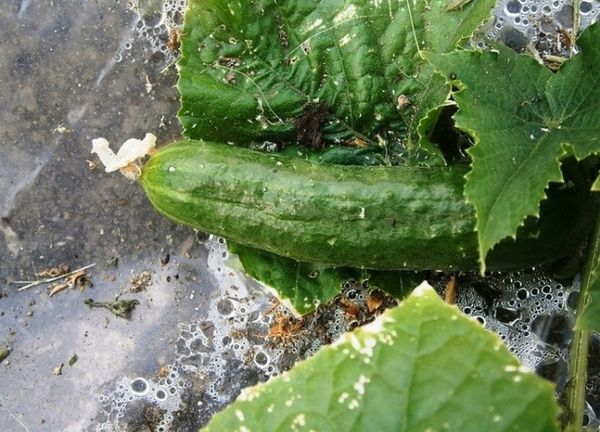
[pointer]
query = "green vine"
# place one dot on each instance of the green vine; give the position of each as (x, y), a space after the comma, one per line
(575, 392)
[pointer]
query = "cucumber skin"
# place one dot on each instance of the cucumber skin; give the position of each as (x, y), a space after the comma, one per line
(369, 217)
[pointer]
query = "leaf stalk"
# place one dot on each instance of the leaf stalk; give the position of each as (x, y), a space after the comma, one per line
(575, 391)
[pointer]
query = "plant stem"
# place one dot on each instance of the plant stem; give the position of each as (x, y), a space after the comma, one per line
(575, 31)
(575, 391)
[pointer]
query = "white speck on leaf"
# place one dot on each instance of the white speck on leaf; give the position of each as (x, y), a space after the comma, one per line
(359, 386)
(353, 404)
(300, 420)
(316, 23)
(345, 15)
(345, 39)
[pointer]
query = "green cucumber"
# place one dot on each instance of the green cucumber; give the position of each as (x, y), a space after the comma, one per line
(359, 216)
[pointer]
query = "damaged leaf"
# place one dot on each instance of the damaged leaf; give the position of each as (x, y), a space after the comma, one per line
(306, 285)
(525, 120)
(252, 72)
(401, 373)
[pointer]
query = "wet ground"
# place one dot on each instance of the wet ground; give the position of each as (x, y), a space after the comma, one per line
(71, 71)
(61, 86)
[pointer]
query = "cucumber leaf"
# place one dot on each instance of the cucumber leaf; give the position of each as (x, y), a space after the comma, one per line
(306, 285)
(524, 120)
(318, 72)
(420, 366)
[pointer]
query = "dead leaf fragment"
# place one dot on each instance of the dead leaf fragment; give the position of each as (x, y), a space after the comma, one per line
(174, 39)
(357, 142)
(58, 369)
(62, 129)
(450, 295)
(140, 282)
(58, 288)
(77, 279)
(373, 302)
(73, 359)
(50, 272)
(4, 352)
(121, 308)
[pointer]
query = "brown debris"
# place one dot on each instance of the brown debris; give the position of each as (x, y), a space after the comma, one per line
(50, 272)
(356, 305)
(174, 40)
(140, 282)
(450, 293)
(78, 279)
(309, 126)
(356, 142)
(58, 369)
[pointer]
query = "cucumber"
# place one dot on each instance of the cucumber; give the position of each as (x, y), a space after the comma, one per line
(359, 216)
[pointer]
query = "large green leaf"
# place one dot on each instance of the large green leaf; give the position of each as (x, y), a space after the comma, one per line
(524, 119)
(306, 285)
(251, 71)
(421, 366)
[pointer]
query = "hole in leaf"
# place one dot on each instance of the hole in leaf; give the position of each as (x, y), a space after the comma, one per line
(450, 140)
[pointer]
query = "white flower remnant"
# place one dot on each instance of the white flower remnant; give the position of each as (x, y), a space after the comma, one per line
(126, 159)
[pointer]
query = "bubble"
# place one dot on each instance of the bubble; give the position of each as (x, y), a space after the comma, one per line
(513, 38)
(513, 7)
(565, 16)
(506, 315)
(139, 386)
(573, 299)
(261, 358)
